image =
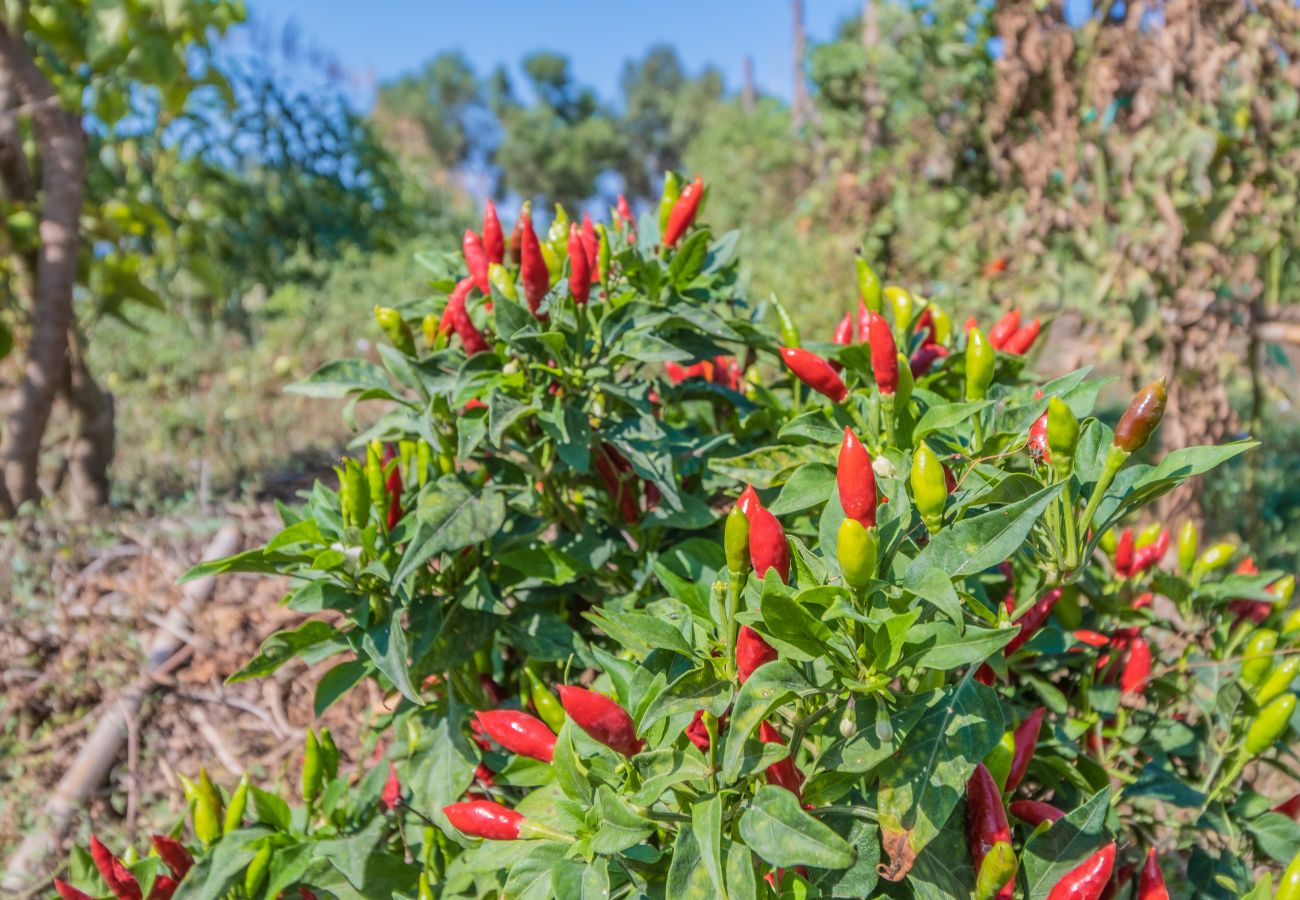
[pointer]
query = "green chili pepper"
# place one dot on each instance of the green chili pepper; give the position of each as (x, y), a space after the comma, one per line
(603, 253)
(1278, 681)
(980, 360)
(929, 487)
(1288, 887)
(423, 461)
(1188, 544)
(869, 287)
(429, 329)
(903, 390)
(997, 868)
(1283, 589)
(499, 278)
(554, 264)
(1216, 556)
(1270, 724)
(235, 811)
(1068, 610)
(789, 333)
(206, 808)
(942, 323)
(902, 305)
(736, 541)
(256, 874)
(547, 704)
(1257, 656)
(425, 889)
(354, 492)
(329, 755)
(998, 760)
(857, 549)
(1062, 436)
(375, 474)
(672, 190)
(1109, 541)
(557, 236)
(313, 775)
(396, 328)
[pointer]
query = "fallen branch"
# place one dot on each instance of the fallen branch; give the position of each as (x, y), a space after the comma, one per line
(97, 755)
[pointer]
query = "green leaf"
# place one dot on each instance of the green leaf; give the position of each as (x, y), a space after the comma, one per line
(621, 826)
(660, 769)
(949, 415)
(530, 877)
(769, 685)
(777, 829)
(791, 627)
(939, 645)
(342, 377)
(768, 466)
(975, 544)
(283, 646)
(385, 645)
(449, 518)
(335, 683)
(687, 878)
(922, 783)
(1051, 853)
(641, 632)
(1277, 835)
(859, 879)
(688, 261)
(444, 765)
(706, 822)
(810, 485)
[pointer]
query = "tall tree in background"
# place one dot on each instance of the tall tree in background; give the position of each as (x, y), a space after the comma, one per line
(430, 115)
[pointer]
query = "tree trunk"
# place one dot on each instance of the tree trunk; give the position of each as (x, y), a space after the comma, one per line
(872, 124)
(801, 106)
(62, 150)
(90, 447)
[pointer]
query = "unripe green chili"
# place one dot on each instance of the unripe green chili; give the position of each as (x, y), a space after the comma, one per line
(554, 264)
(929, 487)
(901, 305)
(312, 773)
(980, 360)
(557, 236)
(858, 550)
(789, 333)
(1288, 887)
(500, 279)
(1269, 725)
(998, 760)
(903, 392)
(396, 328)
(256, 873)
(942, 323)
(1283, 589)
(235, 811)
(672, 190)
(1216, 556)
(1257, 656)
(1278, 681)
(603, 253)
(354, 494)
(423, 461)
(1188, 544)
(425, 891)
(736, 540)
(869, 287)
(546, 703)
(206, 806)
(997, 870)
(1062, 436)
(329, 755)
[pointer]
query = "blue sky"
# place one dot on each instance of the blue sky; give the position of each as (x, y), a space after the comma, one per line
(376, 39)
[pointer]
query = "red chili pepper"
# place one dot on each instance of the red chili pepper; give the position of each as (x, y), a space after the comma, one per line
(1087, 880)
(611, 466)
(485, 819)
(163, 888)
(996, 266)
(119, 880)
(1142, 417)
(986, 821)
(697, 733)
(1124, 554)
(844, 331)
(784, 773)
(864, 322)
(532, 266)
(1024, 337)
(172, 852)
(1035, 812)
(1137, 666)
(925, 357)
(579, 268)
(591, 244)
(683, 213)
(456, 318)
(985, 675)
(1289, 808)
(1025, 741)
(768, 547)
(1004, 328)
(971, 324)
(925, 323)
(1151, 884)
(727, 372)
(748, 502)
(391, 795)
(483, 775)
(884, 354)
(519, 733)
(1142, 601)
(856, 480)
(1038, 451)
(393, 486)
(1033, 619)
(815, 372)
(493, 242)
(751, 652)
(603, 719)
(68, 892)
(625, 213)
(1091, 638)
(476, 260)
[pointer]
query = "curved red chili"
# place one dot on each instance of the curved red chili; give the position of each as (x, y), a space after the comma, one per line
(172, 852)
(1025, 741)
(924, 358)
(519, 733)
(532, 266)
(119, 880)
(856, 480)
(1033, 619)
(1087, 880)
(884, 354)
(1035, 812)
(1024, 337)
(579, 267)
(683, 213)
(603, 719)
(751, 652)
(768, 547)
(748, 501)
(844, 331)
(484, 819)
(476, 260)
(784, 773)
(815, 372)
(391, 795)
(591, 244)
(1124, 551)
(986, 821)
(493, 238)
(68, 892)
(1137, 666)
(1151, 884)
(1037, 445)
(1003, 329)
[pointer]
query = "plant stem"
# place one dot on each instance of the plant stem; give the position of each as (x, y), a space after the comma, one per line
(1115, 458)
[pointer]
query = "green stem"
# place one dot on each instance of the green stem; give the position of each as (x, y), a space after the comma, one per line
(734, 586)
(1115, 458)
(1071, 527)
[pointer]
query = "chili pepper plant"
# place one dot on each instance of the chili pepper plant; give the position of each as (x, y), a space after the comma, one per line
(672, 603)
